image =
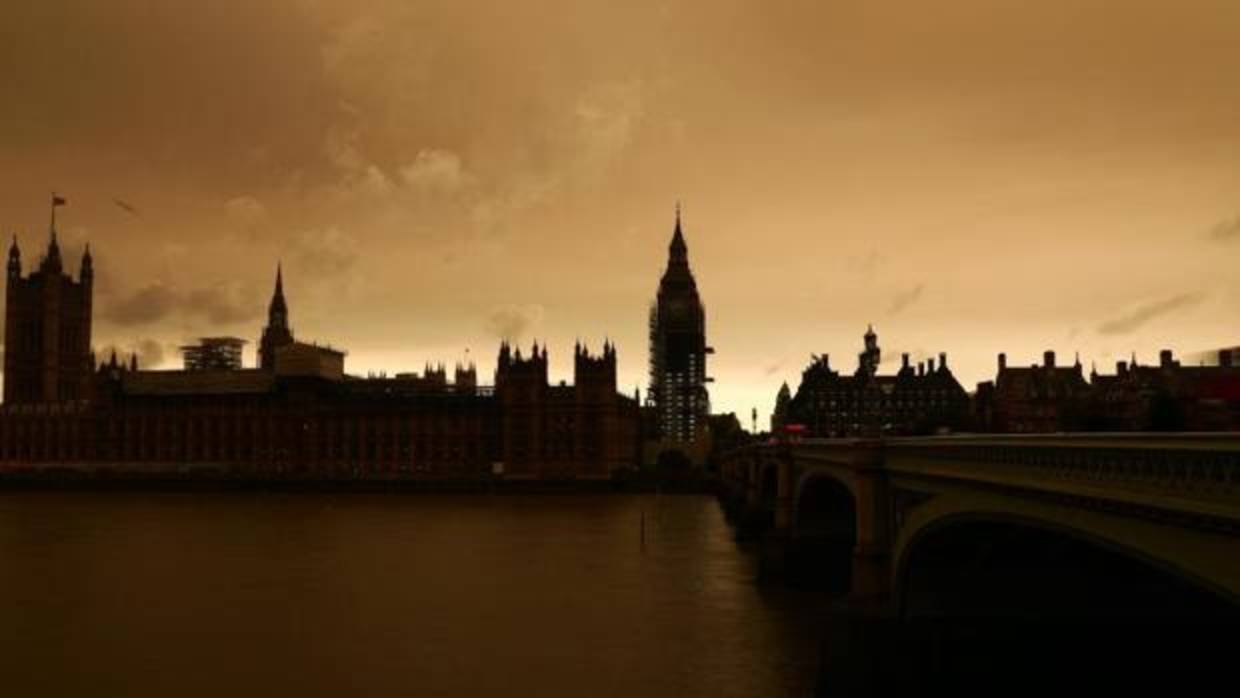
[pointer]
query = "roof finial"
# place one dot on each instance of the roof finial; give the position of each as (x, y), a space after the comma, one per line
(56, 201)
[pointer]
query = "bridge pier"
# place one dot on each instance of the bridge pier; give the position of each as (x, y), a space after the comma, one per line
(778, 556)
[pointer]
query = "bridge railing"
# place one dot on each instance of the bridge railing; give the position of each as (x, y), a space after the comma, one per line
(1214, 471)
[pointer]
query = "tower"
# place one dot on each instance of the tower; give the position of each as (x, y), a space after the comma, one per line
(47, 355)
(277, 333)
(868, 360)
(678, 349)
(521, 390)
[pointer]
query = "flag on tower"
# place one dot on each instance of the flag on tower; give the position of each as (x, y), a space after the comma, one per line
(57, 201)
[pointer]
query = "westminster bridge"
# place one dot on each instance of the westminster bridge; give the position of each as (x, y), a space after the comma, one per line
(1121, 529)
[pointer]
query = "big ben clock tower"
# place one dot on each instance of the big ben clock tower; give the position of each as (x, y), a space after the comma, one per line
(678, 350)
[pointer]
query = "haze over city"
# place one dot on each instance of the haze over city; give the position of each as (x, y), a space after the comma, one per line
(974, 177)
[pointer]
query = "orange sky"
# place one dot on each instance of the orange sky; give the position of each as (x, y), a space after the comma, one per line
(976, 177)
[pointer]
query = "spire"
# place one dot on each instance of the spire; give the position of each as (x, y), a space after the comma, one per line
(52, 260)
(678, 251)
(87, 270)
(15, 259)
(53, 249)
(277, 312)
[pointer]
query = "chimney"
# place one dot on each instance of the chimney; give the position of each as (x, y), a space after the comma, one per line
(1164, 358)
(904, 361)
(1048, 359)
(1224, 358)
(921, 369)
(930, 365)
(1002, 361)
(942, 361)
(1121, 368)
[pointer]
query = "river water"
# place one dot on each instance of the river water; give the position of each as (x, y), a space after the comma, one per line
(176, 594)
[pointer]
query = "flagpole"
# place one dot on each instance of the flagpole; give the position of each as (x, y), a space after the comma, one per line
(56, 201)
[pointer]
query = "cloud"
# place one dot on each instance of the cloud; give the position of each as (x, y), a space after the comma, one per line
(1226, 231)
(607, 117)
(773, 368)
(324, 252)
(359, 177)
(511, 322)
(435, 172)
(247, 210)
(1149, 311)
(866, 265)
(227, 304)
(148, 304)
(223, 304)
(904, 299)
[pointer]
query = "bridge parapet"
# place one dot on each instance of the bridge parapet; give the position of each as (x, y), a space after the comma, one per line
(1177, 469)
(1170, 496)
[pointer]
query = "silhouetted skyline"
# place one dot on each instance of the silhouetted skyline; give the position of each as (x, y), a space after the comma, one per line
(978, 177)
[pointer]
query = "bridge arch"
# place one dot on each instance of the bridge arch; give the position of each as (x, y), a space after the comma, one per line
(970, 563)
(823, 532)
(768, 483)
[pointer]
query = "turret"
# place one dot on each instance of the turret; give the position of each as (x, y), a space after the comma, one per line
(15, 260)
(52, 262)
(87, 271)
(277, 333)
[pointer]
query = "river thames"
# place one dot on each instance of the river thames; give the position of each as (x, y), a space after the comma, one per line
(160, 594)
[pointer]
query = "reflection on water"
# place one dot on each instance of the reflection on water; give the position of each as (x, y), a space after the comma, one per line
(310, 594)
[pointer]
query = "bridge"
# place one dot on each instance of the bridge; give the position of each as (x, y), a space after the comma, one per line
(1123, 529)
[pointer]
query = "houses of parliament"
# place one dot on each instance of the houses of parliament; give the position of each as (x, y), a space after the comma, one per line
(299, 413)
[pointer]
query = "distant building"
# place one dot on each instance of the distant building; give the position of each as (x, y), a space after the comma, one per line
(1167, 396)
(678, 351)
(301, 359)
(277, 333)
(47, 351)
(827, 404)
(298, 412)
(1032, 399)
(583, 430)
(213, 354)
(783, 403)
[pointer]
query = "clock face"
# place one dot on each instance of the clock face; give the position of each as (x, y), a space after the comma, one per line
(678, 307)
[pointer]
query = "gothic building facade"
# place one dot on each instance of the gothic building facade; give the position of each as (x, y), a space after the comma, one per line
(297, 413)
(678, 351)
(47, 351)
(922, 400)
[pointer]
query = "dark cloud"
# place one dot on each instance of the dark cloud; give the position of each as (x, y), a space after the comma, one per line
(1149, 311)
(147, 305)
(512, 322)
(904, 299)
(324, 252)
(773, 368)
(216, 305)
(1226, 231)
(223, 304)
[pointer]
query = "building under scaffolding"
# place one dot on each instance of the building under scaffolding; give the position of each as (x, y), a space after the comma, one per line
(213, 354)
